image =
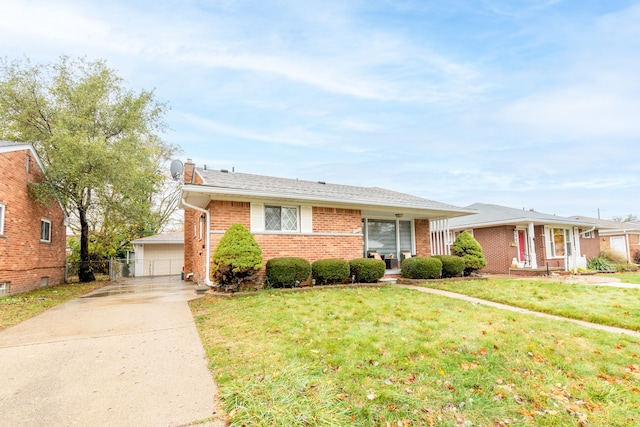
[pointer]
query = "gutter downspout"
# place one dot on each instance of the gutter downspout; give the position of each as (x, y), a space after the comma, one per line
(207, 264)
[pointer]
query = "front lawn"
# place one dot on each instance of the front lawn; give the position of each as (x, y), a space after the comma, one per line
(629, 277)
(18, 308)
(391, 356)
(599, 304)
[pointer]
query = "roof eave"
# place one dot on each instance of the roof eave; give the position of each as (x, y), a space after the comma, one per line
(231, 193)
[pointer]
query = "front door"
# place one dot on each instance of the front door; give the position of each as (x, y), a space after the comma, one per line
(522, 246)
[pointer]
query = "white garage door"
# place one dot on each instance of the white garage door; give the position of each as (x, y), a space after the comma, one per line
(618, 245)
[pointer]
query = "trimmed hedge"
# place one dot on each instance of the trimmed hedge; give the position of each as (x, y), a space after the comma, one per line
(452, 265)
(367, 270)
(329, 271)
(287, 272)
(421, 268)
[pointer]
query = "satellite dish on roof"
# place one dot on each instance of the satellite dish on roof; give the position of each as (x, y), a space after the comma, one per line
(176, 169)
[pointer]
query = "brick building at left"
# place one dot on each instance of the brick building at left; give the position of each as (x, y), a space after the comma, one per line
(32, 235)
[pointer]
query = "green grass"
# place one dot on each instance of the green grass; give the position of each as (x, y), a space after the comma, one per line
(390, 356)
(18, 308)
(625, 277)
(599, 304)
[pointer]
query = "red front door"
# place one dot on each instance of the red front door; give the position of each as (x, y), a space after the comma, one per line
(522, 251)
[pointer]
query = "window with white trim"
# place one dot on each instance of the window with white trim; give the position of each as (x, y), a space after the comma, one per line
(558, 242)
(45, 230)
(280, 218)
(1, 219)
(4, 288)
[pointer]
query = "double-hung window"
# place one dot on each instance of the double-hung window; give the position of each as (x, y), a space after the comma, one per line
(1, 219)
(280, 218)
(45, 230)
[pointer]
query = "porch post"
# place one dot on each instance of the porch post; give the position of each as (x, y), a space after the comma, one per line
(532, 246)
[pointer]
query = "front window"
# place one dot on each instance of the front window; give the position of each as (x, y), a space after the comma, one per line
(558, 242)
(280, 218)
(45, 230)
(388, 237)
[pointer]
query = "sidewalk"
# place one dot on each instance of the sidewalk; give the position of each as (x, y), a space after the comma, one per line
(531, 312)
(128, 355)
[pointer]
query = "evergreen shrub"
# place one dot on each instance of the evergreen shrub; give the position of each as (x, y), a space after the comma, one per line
(287, 272)
(421, 268)
(468, 248)
(236, 260)
(452, 265)
(367, 270)
(329, 271)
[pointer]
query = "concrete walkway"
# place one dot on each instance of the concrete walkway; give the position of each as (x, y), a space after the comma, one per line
(594, 282)
(126, 355)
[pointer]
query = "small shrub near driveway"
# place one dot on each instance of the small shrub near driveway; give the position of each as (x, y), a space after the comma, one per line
(367, 270)
(330, 271)
(452, 265)
(287, 272)
(237, 259)
(421, 268)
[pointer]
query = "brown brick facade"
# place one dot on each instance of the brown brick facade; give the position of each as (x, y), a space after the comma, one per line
(499, 248)
(25, 262)
(337, 233)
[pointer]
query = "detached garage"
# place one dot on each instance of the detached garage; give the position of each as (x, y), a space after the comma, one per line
(159, 255)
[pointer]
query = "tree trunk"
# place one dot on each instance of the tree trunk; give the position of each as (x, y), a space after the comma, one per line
(85, 273)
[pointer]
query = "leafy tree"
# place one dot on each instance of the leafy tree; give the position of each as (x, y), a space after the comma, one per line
(628, 218)
(97, 139)
(469, 249)
(237, 259)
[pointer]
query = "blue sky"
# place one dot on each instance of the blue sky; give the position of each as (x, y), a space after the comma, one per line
(527, 104)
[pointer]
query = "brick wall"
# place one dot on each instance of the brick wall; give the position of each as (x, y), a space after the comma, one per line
(332, 235)
(590, 247)
(423, 237)
(496, 247)
(25, 261)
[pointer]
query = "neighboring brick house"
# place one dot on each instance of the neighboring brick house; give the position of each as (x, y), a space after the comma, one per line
(526, 242)
(622, 237)
(312, 220)
(32, 236)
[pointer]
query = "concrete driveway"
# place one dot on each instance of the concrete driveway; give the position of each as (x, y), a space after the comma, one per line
(125, 355)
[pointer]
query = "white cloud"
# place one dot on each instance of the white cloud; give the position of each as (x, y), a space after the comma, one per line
(581, 112)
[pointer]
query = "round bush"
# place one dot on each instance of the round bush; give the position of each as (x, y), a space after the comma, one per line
(287, 272)
(236, 260)
(329, 271)
(452, 266)
(421, 268)
(367, 270)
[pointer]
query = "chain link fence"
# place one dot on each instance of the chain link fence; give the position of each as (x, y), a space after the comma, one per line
(117, 268)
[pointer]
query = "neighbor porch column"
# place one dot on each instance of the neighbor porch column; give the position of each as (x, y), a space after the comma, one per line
(532, 246)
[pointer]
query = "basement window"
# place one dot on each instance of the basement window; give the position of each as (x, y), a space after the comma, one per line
(4, 288)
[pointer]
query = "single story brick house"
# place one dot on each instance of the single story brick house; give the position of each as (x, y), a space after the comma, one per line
(622, 237)
(159, 255)
(312, 220)
(526, 242)
(32, 236)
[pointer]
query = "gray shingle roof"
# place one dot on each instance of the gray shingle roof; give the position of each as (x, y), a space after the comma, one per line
(175, 237)
(11, 144)
(294, 188)
(604, 224)
(489, 214)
